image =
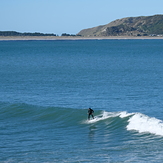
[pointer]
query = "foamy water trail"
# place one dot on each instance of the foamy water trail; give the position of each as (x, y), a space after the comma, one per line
(104, 115)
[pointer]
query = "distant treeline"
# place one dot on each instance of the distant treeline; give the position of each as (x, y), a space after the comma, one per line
(66, 34)
(13, 33)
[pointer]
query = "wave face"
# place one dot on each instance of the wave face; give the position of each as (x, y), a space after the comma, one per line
(53, 132)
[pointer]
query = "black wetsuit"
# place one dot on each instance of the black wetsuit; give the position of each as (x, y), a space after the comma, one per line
(90, 113)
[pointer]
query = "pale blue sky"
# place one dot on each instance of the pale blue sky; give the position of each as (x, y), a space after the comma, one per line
(70, 16)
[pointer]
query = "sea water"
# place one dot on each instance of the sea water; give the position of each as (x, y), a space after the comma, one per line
(46, 88)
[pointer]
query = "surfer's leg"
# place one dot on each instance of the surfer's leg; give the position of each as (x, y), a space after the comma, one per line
(88, 116)
(92, 116)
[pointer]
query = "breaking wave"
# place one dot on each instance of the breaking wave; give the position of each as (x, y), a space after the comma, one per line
(138, 122)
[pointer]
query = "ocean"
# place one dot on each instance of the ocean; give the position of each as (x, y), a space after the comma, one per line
(46, 88)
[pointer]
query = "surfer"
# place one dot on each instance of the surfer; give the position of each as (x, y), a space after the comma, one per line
(90, 113)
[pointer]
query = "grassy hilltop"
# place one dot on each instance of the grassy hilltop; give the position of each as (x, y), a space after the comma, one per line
(131, 26)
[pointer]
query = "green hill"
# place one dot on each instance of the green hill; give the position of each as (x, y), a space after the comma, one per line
(131, 26)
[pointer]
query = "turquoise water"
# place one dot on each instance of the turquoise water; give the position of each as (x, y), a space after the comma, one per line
(47, 86)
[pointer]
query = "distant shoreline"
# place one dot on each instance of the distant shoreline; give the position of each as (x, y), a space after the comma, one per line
(8, 38)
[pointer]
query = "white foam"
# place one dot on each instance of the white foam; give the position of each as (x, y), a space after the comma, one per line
(124, 114)
(105, 115)
(143, 123)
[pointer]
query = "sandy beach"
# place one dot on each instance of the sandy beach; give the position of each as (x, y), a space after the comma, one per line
(3, 38)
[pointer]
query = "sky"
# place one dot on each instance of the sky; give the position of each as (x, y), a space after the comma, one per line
(70, 16)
